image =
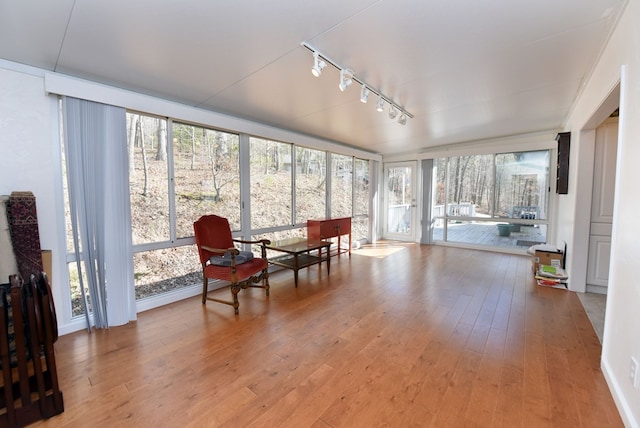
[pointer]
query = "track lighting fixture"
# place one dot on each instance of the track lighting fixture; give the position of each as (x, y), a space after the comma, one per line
(318, 65)
(364, 93)
(347, 77)
(392, 112)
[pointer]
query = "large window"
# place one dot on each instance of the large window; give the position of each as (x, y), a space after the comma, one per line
(271, 183)
(521, 185)
(341, 186)
(470, 185)
(361, 198)
(179, 171)
(311, 184)
(206, 176)
(148, 178)
(496, 200)
(176, 173)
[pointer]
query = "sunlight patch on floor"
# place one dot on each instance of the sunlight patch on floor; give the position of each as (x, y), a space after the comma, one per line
(381, 250)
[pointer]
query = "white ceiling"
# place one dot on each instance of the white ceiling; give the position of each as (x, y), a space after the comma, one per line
(466, 69)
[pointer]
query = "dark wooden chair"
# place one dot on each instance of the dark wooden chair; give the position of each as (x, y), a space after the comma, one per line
(221, 260)
(29, 388)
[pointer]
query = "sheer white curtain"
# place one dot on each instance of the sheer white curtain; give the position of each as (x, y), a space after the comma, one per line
(97, 170)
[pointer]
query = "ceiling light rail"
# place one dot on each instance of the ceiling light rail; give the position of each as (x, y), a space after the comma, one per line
(347, 77)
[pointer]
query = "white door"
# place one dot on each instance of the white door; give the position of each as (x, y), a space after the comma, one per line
(604, 175)
(400, 201)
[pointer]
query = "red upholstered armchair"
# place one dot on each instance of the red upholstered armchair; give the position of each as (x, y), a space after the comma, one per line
(221, 260)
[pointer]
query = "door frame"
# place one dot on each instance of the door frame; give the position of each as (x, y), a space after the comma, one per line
(414, 234)
(578, 256)
(601, 225)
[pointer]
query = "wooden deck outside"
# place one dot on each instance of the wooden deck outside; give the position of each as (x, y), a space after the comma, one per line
(486, 234)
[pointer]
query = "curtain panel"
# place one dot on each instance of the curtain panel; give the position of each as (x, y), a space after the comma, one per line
(98, 180)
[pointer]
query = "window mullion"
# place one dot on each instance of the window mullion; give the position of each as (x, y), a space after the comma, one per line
(328, 184)
(245, 188)
(171, 182)
(353, 186)
(294, 165)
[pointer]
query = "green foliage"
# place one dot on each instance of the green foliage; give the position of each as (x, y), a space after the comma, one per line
(139, 275)
(74, 283)
(269, 181)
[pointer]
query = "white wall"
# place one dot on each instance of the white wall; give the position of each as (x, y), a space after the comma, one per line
(618, 65)
(30, 159)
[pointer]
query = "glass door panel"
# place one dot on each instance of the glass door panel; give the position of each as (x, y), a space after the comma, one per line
(400, 197)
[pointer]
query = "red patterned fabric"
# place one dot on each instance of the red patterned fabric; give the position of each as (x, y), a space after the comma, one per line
(212, 231)
(25, 236)
(243, 270)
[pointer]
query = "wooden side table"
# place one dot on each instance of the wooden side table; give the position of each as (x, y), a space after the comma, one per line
(331, 228)
(298, 254)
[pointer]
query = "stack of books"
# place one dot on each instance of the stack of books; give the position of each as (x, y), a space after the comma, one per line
(552, 276)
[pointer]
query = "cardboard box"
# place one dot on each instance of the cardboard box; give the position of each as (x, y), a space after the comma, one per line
(545, 257)
(47, 263)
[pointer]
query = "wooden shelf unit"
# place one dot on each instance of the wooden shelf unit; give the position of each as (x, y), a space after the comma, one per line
(331, 228)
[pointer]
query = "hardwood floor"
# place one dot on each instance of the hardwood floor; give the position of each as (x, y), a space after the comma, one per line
(398, 335)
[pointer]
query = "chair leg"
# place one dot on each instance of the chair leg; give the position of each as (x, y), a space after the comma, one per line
(205, 284)
(265, 281)
(235, 289)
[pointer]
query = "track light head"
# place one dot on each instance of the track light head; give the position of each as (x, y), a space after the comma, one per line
(318, 65)
(392, 112)
(346, 79)
(364, 93)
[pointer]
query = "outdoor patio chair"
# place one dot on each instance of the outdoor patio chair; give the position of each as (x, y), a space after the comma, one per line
(221, 260)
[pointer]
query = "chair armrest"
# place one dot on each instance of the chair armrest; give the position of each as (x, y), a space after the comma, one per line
(233, 250)
(260, 241)
(263, 245)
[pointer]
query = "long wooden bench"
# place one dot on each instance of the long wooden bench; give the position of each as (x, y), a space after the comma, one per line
(29, 388)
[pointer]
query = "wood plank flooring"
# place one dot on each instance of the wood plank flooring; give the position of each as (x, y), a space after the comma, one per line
(398, 335)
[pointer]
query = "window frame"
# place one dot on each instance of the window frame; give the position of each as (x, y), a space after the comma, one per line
(446, 218)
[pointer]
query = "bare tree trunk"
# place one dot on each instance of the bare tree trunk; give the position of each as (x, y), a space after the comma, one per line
(481, 191)
(266, 157)
(498, 196)
(213, 162)
(456, 179)
(193, 148)
(161, 154)
(140, 138)
(463, 170)
(132, 143)
(306, 161)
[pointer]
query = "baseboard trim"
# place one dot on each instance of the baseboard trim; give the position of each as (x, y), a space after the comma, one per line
(597, 289)
(618, 397)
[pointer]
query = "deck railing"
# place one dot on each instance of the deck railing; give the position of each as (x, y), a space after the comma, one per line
(465, 209)
(399, 218)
